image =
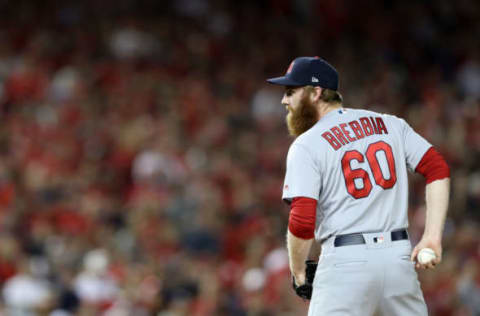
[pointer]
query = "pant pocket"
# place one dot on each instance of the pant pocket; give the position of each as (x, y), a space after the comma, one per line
(405, 258)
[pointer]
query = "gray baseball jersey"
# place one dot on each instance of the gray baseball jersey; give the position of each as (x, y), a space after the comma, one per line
(354, 163)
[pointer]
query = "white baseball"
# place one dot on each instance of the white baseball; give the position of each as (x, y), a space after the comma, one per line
(426, 255)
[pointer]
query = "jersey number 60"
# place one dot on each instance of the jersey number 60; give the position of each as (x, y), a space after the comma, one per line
(351, 174)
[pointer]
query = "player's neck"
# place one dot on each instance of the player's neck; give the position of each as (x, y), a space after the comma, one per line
(325, 108)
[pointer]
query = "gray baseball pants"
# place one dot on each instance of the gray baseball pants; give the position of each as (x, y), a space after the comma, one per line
(372, 279)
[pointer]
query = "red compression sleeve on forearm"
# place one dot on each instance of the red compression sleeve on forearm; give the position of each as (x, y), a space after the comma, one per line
(433, 166)
(301, 222)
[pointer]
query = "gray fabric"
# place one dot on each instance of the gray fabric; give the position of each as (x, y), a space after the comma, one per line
(374, 279)
(314, 170)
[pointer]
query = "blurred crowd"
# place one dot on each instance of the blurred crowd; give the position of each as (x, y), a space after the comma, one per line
(142, 154)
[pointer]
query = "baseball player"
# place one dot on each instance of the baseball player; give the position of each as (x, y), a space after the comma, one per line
(347, 186)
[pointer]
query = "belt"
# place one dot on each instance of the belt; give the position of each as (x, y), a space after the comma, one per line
(358, 239)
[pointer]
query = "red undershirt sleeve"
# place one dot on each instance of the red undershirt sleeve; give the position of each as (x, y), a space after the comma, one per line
(433, 166)
(301, 222)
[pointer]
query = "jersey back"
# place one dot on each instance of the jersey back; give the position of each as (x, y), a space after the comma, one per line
(354, 163)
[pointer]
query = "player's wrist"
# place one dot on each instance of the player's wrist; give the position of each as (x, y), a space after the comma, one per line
(299, 278)
(433, 237)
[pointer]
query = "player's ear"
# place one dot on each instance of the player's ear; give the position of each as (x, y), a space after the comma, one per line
(316, 93)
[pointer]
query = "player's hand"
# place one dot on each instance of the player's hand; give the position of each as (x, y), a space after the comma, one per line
(301, 287)
(302, 281)
(426, 242)
(299, 279)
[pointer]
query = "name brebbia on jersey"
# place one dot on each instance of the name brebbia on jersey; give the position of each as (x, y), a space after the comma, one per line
(365, 126)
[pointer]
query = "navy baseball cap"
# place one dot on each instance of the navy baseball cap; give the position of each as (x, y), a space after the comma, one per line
(309, 71)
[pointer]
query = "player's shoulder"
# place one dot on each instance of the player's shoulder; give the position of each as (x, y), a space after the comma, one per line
(386, 116)
(303, 140)
(299, 151)
(306, 143)
(365, 112)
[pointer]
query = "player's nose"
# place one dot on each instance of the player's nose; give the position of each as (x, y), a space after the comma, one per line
(284, 100)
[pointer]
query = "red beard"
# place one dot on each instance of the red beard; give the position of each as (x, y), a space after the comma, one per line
(303, 118)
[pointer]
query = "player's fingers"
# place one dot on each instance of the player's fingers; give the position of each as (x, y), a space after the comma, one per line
(438, 259)
(413, 257)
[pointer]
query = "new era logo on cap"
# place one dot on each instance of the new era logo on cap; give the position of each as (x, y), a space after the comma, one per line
(304, 71)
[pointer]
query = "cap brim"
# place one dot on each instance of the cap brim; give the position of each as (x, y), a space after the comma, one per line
(283, 81)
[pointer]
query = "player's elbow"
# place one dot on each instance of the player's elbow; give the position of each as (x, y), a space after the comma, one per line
(300, 231)
(439, 170)
(433, 166)
(301, 222)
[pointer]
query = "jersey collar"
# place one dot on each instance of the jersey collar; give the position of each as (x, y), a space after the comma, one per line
(332, 113)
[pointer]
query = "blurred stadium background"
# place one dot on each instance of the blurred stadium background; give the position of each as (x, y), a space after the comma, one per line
(142, 153)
